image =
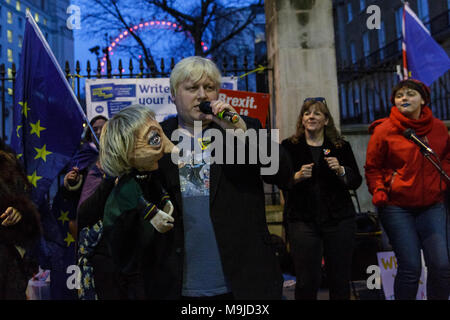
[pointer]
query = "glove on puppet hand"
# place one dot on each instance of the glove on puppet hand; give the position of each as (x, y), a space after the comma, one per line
(380, 198)
(162, 221)
(168, 207)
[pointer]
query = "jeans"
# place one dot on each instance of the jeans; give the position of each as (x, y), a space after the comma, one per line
(409, 230)
(308, 242)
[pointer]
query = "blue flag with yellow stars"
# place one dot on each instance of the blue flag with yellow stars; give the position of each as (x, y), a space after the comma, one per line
(47, 128)
(47, 120)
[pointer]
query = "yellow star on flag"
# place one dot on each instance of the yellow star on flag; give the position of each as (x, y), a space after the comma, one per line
(64, 216)
(17, 130)
(36, 128)
(25, 108)
(42, 153)
(19, 155)
(34, 179)
(69, 239)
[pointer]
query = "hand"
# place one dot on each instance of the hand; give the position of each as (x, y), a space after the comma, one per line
(218, 106)
(162, 221)
(380, 198)
(333, 164)
(11, 216)
(73, 176)
(168, 208)
(304, 173)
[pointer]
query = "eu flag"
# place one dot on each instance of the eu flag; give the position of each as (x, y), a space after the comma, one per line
(426, 60)
(47, 127)
(47, 118)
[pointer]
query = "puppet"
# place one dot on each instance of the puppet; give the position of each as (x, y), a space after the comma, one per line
(137, 208)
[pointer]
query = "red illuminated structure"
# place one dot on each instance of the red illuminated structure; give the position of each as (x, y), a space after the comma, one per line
(153, 24)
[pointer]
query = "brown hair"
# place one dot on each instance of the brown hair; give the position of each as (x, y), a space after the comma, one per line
(414, 84)
(88, 137)
(331, 131)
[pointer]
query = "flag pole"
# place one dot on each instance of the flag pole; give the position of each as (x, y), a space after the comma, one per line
(24, 111)
(52, 56)
(405, 61)
(24, 130)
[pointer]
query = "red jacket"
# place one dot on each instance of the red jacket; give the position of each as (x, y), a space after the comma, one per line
(396, 164)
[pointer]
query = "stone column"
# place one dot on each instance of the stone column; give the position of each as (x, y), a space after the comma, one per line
(300, 49)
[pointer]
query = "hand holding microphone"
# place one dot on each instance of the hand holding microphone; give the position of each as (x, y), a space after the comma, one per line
(205, 107)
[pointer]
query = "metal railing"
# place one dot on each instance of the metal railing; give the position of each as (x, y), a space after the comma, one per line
(365, 93)
(365, 86)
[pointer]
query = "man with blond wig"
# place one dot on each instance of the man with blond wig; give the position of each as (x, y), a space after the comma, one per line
(220, 246)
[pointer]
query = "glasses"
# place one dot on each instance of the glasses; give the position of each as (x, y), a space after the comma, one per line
(317, 99)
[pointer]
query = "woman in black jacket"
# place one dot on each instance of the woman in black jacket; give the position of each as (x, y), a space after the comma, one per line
(319, 209)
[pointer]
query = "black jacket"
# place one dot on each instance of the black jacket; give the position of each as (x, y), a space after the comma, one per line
(237, 209)
(334, 201)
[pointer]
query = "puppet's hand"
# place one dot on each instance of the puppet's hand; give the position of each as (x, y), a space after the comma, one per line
(162, 221)
(168, 207)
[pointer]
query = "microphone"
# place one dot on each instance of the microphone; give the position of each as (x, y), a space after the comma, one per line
(411, 135)
(205, 107)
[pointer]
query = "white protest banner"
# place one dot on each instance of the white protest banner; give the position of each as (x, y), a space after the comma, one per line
(388, 269)
(106, 97)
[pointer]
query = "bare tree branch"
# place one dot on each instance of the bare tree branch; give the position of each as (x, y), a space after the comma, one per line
(237, 29)
(198, 19)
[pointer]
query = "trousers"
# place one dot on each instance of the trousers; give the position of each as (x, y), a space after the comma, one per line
(413, 229)
(308, 243)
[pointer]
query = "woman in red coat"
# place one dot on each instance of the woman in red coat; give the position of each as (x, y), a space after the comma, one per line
(409, 192)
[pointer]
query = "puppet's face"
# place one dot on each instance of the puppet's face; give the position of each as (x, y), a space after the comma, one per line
(151, 144)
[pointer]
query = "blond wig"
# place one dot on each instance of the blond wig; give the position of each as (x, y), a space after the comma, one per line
(118, 138)
(194, 69)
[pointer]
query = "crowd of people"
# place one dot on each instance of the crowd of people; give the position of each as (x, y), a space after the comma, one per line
(151, 225)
